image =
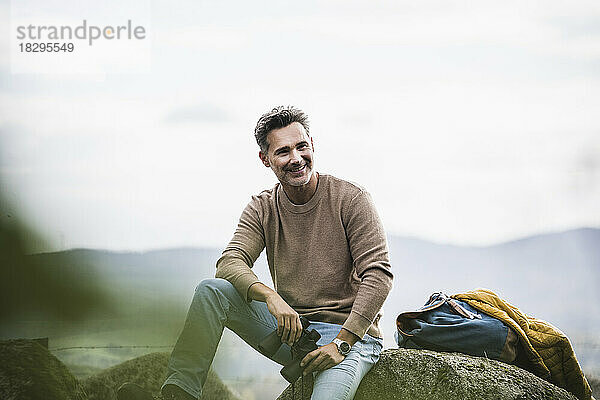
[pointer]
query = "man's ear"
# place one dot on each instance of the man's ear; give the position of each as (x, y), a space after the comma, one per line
(312, 144)
(264, 159)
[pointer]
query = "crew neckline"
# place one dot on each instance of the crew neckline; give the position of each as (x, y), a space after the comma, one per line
(309, 205)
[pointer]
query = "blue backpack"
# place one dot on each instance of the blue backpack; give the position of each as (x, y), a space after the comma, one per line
(446, 324)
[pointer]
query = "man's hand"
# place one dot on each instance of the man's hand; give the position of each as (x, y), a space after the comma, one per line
(321, 359)
(289, 327)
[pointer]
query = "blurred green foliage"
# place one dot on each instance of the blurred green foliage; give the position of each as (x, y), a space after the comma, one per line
(29, 287)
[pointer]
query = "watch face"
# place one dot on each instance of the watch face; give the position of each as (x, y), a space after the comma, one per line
(345, 347)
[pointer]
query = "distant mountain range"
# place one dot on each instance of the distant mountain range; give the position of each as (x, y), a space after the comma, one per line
(551, 276)
(554, 277)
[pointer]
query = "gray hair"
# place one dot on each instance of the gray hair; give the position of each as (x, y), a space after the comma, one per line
(279, 117)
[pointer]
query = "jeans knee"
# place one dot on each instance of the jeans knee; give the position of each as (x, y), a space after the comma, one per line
(213, 285)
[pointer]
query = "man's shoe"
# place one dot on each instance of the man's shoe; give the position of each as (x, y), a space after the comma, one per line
(174, 392)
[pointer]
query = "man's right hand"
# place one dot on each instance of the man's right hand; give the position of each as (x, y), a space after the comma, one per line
(289, 327)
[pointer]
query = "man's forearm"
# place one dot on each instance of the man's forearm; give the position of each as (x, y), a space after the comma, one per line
(260, 292)
(369, 299)
(348, 336)
(233, 267)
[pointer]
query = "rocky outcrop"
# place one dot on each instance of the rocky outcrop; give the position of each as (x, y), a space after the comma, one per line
(147, 371)
(29, 372)
(403, 374)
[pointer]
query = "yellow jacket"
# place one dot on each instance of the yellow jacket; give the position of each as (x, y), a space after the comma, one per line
(547, 348)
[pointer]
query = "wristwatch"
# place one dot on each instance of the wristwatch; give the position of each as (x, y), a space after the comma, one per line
(343, 347)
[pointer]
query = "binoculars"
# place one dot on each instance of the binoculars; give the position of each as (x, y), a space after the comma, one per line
(307, 343)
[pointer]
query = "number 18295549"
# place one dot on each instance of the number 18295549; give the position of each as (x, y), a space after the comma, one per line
(46, 47)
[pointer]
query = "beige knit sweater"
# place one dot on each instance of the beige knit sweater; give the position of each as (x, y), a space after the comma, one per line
(328, 257)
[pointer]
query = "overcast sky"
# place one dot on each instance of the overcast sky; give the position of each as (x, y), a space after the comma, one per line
(469, 122)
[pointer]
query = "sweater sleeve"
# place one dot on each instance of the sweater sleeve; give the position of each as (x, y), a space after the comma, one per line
(369, 250)
(242, 251)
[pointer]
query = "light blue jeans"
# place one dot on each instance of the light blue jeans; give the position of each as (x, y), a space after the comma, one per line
(217, 304)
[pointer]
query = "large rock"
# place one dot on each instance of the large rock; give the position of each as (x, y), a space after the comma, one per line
(403, 374)
(29, 372)
(148, 371)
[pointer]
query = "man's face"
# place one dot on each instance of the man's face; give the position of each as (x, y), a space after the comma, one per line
(290, 154)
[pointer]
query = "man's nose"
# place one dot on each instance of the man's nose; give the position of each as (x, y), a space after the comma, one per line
(295, 156)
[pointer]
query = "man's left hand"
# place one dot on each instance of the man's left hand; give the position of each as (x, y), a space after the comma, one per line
(321, 359)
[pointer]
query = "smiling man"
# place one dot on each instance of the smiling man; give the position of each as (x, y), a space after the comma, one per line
(327, 255)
